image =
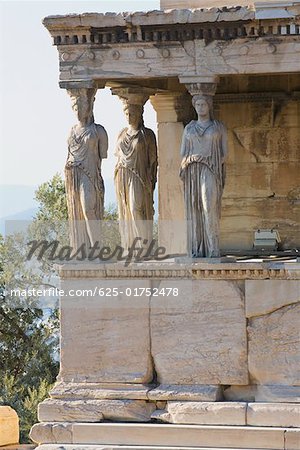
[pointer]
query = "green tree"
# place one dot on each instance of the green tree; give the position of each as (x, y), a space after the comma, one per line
(51, 221)
(53, 204)
(52, 200)
(28, 333)
(28, 339)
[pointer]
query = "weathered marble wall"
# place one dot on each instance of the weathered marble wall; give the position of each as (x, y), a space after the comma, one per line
(224, 351)
(263, 182)
(224, 332)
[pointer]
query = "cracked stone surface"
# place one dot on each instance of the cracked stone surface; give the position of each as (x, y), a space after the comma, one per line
(199, 337)
(274, 340)
(95, 410)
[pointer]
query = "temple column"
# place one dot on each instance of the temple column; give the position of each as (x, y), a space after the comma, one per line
(173, 111)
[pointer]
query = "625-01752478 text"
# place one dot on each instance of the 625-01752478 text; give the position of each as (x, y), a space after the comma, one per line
(96, 292)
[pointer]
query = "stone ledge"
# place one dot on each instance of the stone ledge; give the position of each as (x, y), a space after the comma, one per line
(198, 393)
(173, 270)
(273, 415)
(119, 391)
(205, 413)
(156, 17)
(122, 447)
(53, 410)
(152, 435)
(100, 391)
(277, 394)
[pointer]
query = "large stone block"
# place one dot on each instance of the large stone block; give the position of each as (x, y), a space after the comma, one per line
(207, 413)
(273, 415)
(274, 340)
(179, 436)
(199, 337)
(105, 338)
(265, 296)
(292, 440)
(57, 433)
(9, 426)
(53, 410)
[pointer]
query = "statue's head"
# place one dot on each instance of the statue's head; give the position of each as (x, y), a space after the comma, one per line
(134, 114)
(203, 105)
(83, 103)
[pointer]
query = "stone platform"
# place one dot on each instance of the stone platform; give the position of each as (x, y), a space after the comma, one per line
(149, 436)
(173, 355)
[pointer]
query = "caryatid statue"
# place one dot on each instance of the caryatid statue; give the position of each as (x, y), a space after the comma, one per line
(204, 150)
(135, 173)
(87, 146)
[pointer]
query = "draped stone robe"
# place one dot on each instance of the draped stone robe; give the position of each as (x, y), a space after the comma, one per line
(135, 179)
(204, 149)
(84, 183)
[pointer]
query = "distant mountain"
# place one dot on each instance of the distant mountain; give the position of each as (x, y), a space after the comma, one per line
(17, 202)
(16, 198)
(14, 220)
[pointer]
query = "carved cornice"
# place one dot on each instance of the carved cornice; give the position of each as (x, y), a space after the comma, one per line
(222, 271)
(161, 45)
(159, 27)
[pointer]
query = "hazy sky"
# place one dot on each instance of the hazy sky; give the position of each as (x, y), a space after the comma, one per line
(35, 114)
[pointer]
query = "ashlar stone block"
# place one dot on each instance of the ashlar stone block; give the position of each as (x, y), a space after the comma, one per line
(274, 414)
(199, 336)
(105, 338)
(53, 410)
(207, 413)
(274, 340)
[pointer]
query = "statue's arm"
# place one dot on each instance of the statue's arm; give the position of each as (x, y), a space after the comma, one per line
(184, 150)
(102, 142)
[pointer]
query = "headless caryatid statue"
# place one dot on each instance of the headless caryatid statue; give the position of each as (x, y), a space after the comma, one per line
(135, 175)
(204, 149)
(87, 146)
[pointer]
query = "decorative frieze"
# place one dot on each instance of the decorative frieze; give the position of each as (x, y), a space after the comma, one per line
(212, 271)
